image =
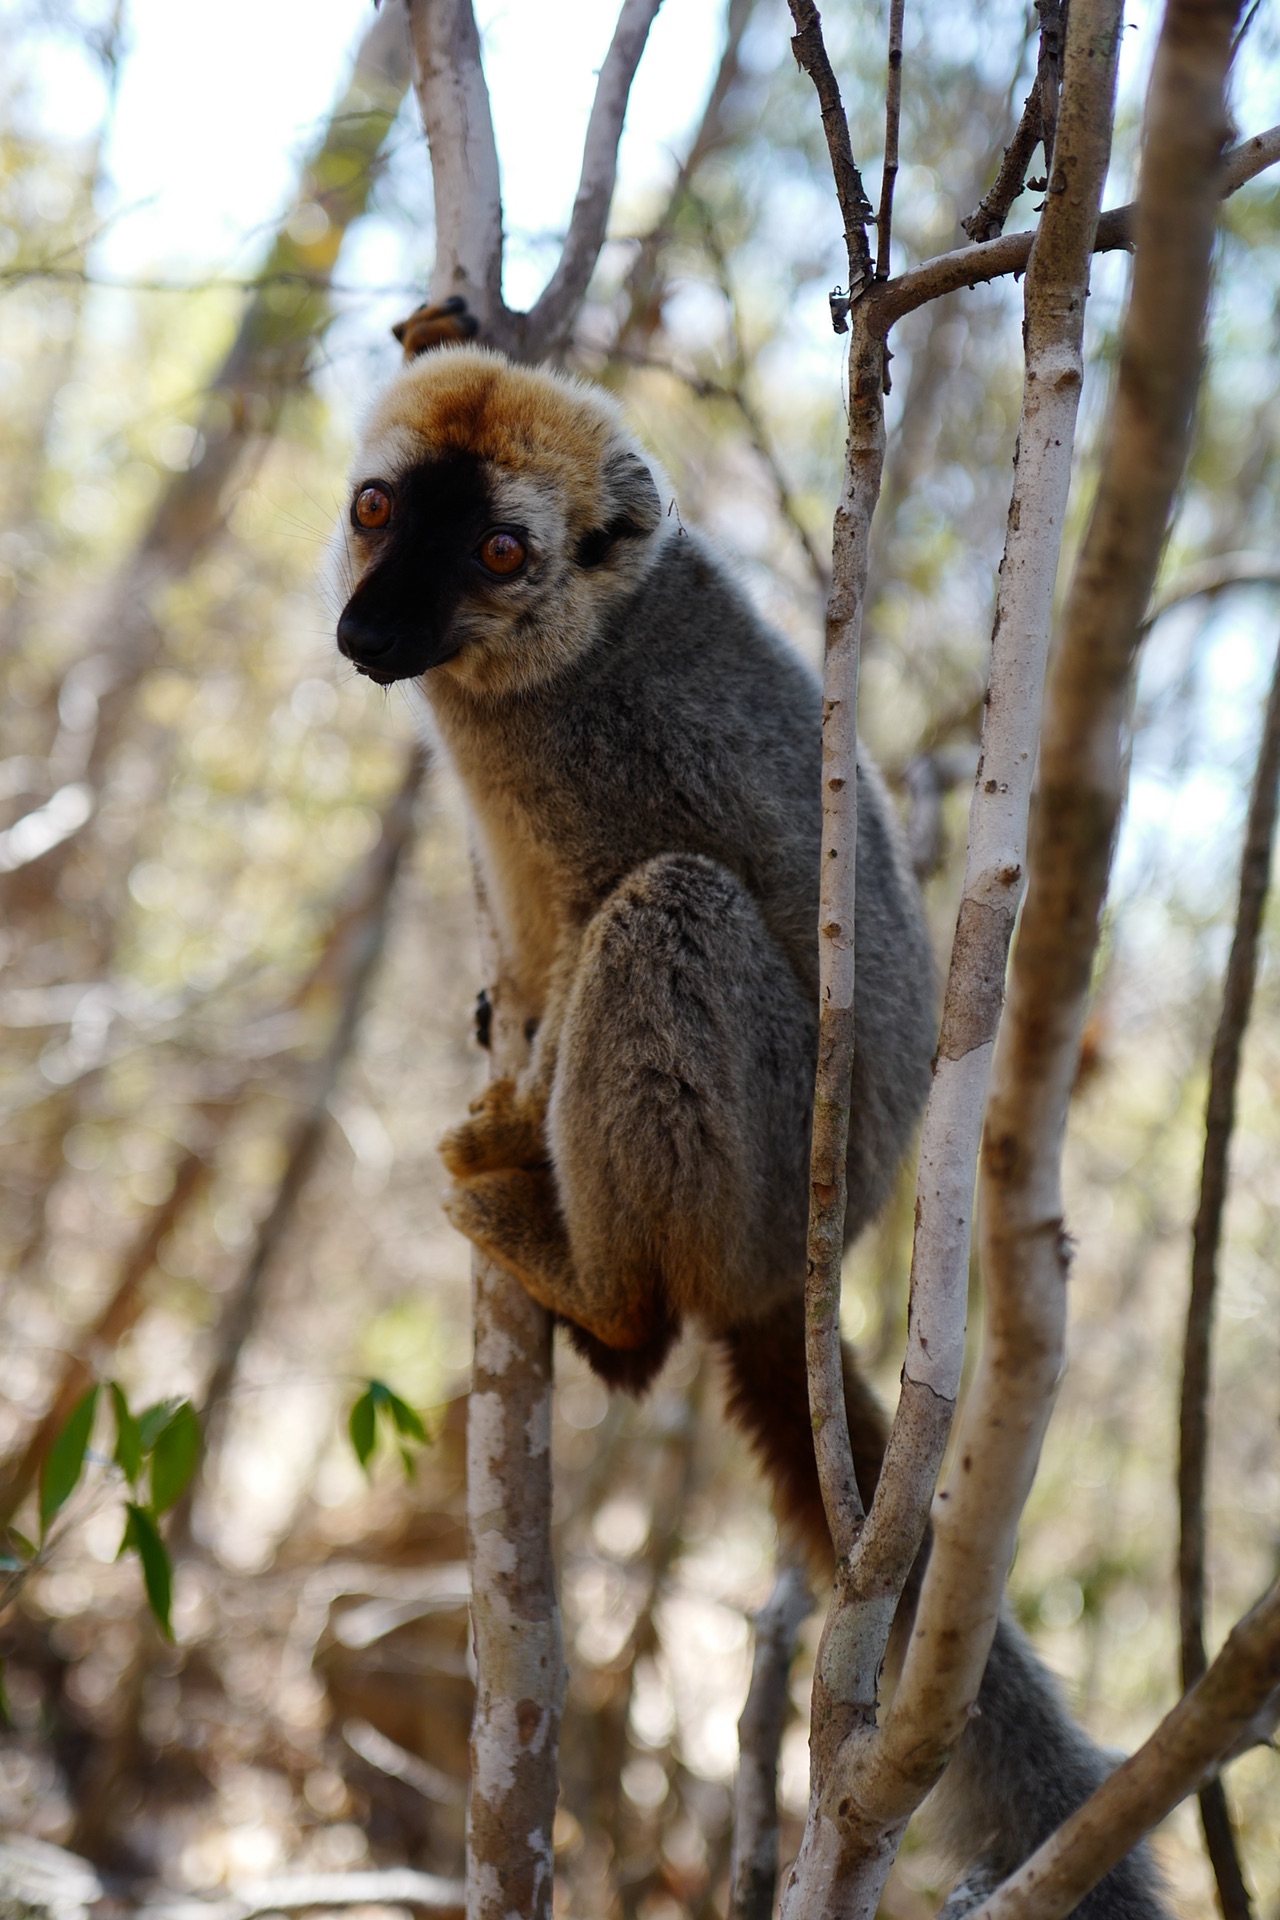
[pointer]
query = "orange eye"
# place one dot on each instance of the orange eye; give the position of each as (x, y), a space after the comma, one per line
(502, 552)
(372, 508)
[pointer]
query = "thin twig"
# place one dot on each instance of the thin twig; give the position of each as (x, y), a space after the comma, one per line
(992, 259)
(1193, 1422)
(1053, 17)
(1211, 577)
(552, 315)
(892, 121)
(755, 1803)
(810, 51)
(986, 222)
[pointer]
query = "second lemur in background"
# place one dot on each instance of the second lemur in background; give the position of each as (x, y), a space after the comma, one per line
(641, 760)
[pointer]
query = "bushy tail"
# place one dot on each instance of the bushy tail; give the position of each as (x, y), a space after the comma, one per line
(769, 1398)
(1022, 1765)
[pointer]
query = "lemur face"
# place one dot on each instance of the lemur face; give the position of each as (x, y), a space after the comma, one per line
(494, 514)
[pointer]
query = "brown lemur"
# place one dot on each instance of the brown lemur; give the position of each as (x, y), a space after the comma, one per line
(640, 757)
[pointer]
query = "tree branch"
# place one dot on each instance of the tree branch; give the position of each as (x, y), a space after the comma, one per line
(974, 266)
(1193, 1421)
(892, 122)
(810, 51)
(1185, 1747)
(1081, 786)
(551, 318)
(520, 1670)
(755, 1802)
(987, 220)
(450, 83)
(917, 1728)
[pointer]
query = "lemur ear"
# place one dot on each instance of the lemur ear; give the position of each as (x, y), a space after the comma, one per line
(634, 509)
(630, 490)
(448, 324)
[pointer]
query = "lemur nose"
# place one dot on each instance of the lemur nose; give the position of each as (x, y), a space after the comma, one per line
(360, 639)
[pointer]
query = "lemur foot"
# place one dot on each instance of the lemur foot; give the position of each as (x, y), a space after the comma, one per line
(505, 1130)
(513, 1217)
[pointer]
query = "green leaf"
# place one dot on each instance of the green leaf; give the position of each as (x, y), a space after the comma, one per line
(361, 1424)
(65, 1461)
(27, 1548)
(128, 1454)
(407, 1421)
(173, 1457)
(153, 1422)
(142, 1534)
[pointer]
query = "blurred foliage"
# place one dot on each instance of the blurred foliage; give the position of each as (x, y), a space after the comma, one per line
(196, 881)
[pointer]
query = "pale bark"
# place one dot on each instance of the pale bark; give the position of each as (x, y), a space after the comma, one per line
(520, 1672)
(1182, 1752)
(454, 98)
(1081, 785)
(515, 1617)
(755, 1803)
(1056, 287)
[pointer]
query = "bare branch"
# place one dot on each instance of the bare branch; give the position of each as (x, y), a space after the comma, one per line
(755, 1803)
(1052, 15)
(810, 51)
(1212, 577)
(454, 98)
(1185, 1747)
(1193, 1422)
(423, 1893)
(1081, 785)
(552, 316)
(515, 1619)
(1057, 284)
(987, 220)
(974, 266)
(892, 122)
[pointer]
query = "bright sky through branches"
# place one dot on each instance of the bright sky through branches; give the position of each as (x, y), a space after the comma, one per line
(216, 108)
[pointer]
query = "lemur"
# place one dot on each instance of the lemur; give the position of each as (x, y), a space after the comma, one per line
(640, 757)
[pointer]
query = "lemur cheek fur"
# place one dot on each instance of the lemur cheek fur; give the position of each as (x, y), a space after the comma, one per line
(640, 757)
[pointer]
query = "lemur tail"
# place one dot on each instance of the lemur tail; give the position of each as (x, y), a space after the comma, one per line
(769, 1398)
(1023, 1765)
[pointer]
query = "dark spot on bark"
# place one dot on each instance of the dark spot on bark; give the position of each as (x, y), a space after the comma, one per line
(528, 1720)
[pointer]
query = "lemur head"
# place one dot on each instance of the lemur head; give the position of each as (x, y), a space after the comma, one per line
(495, 513)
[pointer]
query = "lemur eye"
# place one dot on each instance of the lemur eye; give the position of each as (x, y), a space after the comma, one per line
(502, 552)
(371, 508)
